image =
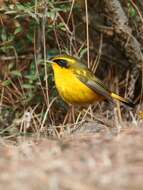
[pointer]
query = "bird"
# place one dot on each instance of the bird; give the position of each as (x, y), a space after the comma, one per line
(77, 85)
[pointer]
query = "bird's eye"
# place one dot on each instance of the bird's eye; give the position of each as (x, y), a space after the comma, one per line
(62, 63)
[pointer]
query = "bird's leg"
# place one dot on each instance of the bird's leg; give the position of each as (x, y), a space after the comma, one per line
(66, 118)
(70, 116)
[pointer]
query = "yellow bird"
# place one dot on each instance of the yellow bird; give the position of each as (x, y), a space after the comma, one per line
(77, 85)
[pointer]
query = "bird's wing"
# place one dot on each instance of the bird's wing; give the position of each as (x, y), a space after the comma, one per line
(93, 83)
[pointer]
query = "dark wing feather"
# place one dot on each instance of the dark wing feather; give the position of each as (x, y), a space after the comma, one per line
(93, 83)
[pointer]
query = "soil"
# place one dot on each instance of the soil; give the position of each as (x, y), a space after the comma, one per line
(102, 159)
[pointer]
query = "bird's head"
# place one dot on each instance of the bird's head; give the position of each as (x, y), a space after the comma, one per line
(64, 61)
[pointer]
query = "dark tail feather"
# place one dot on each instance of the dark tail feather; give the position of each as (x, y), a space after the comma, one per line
(124, 100)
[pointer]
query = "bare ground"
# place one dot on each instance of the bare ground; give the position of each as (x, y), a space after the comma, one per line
(82, 161)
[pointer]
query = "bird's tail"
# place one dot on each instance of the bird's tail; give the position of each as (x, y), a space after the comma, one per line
(121, 99)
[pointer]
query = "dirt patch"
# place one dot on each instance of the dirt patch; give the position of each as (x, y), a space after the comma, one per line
(81, 161)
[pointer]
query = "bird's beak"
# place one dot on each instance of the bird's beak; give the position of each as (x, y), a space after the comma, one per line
(50, 61)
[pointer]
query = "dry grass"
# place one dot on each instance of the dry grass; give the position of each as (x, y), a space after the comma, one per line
(37, 109)
(78, 162)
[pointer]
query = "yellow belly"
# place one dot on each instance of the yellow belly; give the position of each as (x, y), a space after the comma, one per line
(72, 90)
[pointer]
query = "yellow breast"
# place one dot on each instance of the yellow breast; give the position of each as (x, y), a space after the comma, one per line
(71, 89)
